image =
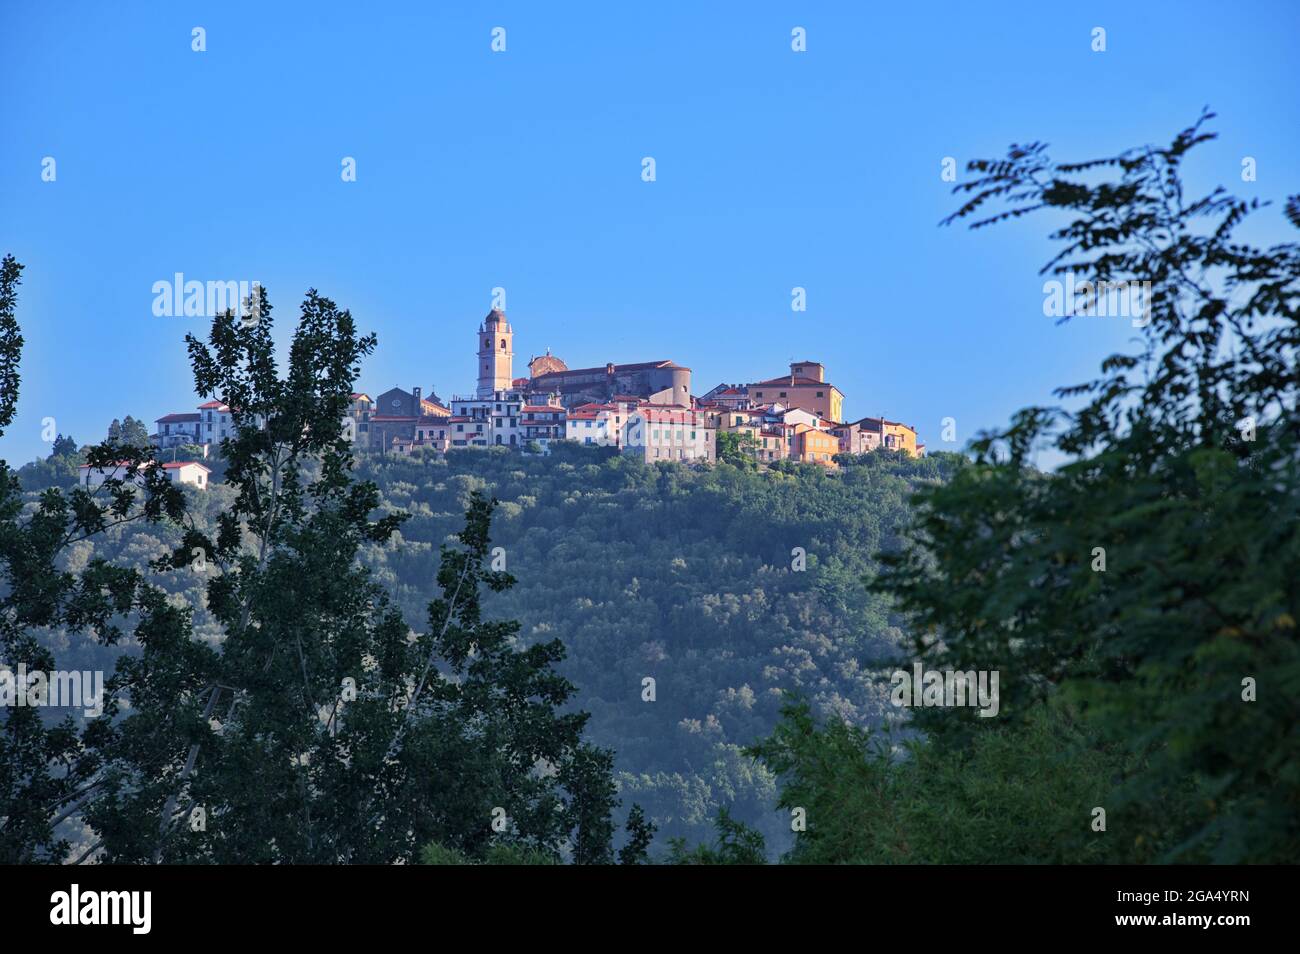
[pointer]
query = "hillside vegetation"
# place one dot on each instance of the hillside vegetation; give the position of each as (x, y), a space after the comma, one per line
(679, 575)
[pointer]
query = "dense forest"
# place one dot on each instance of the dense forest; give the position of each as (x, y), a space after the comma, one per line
(685, 576)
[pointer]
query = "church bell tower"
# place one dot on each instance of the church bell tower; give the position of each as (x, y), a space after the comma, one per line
(496, 353)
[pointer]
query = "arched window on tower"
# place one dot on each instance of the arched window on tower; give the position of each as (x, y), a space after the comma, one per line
(503, 344)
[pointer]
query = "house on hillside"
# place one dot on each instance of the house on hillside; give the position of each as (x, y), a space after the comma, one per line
(177, 429)
(178, 472)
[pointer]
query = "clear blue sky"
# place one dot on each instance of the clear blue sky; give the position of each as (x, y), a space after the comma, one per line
(522, 169)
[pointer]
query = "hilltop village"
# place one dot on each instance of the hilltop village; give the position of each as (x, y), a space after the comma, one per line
(645, 409)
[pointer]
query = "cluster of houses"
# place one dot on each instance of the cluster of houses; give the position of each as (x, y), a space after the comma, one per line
(644, 409)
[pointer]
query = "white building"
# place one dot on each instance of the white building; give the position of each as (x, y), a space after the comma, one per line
(177, 429)
(542, 424)
(669, 432)
(217, 423)
(188, 472)
(91, 477)
(597, 423)
(178, 472)
(490, 420)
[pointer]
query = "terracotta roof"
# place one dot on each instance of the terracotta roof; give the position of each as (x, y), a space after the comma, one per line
(178, 464)
(674, 413)
(179, 418)
(590, 411)
(212, 406)
(873, 424)
(640, 366)
(791, 380)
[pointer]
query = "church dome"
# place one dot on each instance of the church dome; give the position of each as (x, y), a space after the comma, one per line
(546, 364)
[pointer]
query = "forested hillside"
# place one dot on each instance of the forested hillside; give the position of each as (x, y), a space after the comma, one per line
(687, 577)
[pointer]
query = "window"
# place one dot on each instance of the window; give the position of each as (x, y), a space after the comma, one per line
(760, 394)
(821, 393)
(782, 394)
(503, 344)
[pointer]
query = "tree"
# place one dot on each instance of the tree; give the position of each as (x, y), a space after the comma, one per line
(736, 447)
(736, 844)
(129, 431)
(323, 730)
(65, 447)
(1154, 579)
(1012, 797)
(11, 339)
(640, 832)
(48, 773)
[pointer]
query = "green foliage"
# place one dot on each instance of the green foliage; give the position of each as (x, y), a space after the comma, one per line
(640, 833)
(1021, 793)
(736, 447)
(1196, 516)
(680, 574)
(498, 854)
(685, 576)
(129, 431)
(49, 769)
(60, 469)
(11, 339)
(736, 844)
(322, 729)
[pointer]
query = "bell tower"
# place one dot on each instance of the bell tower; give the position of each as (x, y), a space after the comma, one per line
(496, 352)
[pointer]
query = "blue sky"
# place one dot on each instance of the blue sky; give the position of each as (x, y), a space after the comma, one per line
(522, 170)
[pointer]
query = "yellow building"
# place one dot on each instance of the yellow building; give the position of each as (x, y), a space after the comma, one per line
(891, 435)
(804, 387)
(816, 447)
